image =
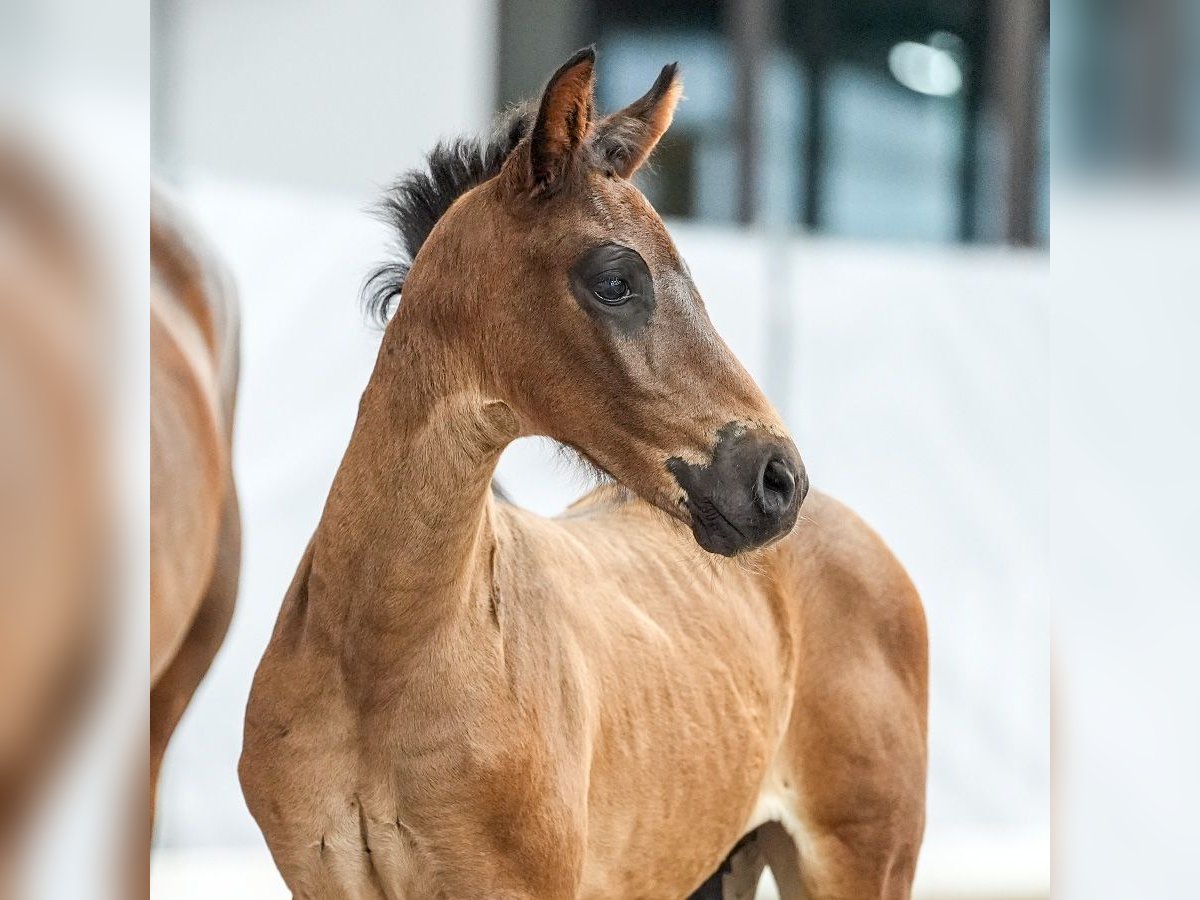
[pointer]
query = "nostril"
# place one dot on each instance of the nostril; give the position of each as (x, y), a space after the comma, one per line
(778, 486)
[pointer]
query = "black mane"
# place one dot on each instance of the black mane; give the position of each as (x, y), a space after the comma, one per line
(421, 196)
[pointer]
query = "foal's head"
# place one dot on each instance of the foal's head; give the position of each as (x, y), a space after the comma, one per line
(555, 279)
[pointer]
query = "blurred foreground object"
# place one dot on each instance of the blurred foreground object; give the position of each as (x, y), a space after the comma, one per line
(1125, 437)
(195, 528)
(54, 581)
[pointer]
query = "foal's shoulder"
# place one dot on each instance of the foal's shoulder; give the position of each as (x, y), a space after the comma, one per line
(831, 536)
(846, 565)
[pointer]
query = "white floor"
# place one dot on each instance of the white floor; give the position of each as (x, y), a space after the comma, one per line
(987, 867)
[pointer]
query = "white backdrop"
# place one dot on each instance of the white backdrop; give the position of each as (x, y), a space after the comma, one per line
(332, 96)
(914, 379)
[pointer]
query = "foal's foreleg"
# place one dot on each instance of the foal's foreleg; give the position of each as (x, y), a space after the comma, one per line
(862, 864)
(768, 846)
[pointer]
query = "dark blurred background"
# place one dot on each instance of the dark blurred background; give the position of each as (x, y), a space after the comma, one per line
(915, 120)
(922, 120)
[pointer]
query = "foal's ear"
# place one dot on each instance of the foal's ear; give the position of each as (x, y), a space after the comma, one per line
(563, 120)
(627, 138)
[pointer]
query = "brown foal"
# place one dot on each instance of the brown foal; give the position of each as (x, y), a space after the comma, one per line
(462, 699)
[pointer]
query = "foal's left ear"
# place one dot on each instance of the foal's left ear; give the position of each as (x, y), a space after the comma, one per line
(627, 138)
(563, 119)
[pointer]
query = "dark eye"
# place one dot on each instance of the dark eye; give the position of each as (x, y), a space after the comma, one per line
(611, 289)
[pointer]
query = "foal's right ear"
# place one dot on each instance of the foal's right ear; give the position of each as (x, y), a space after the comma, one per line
(563, 120)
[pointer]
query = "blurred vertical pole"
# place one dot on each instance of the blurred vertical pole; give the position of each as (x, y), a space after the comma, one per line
(968, 169)
(163, 21)
(815, 43)
(526, 56)
(1018, 28)
(1156, 35)
(752, 28)
(972, 103)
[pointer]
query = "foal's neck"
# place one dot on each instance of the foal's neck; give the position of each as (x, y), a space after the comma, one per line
(406, 536)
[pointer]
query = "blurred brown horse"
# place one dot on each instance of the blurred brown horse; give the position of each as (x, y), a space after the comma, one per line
(195, 530)
(55, 511)
(462, 699)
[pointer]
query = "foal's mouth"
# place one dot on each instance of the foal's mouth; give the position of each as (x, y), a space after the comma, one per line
(747, 495)
(713, 530)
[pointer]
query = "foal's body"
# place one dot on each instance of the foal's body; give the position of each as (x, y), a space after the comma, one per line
(465, 700)
(587, 706)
